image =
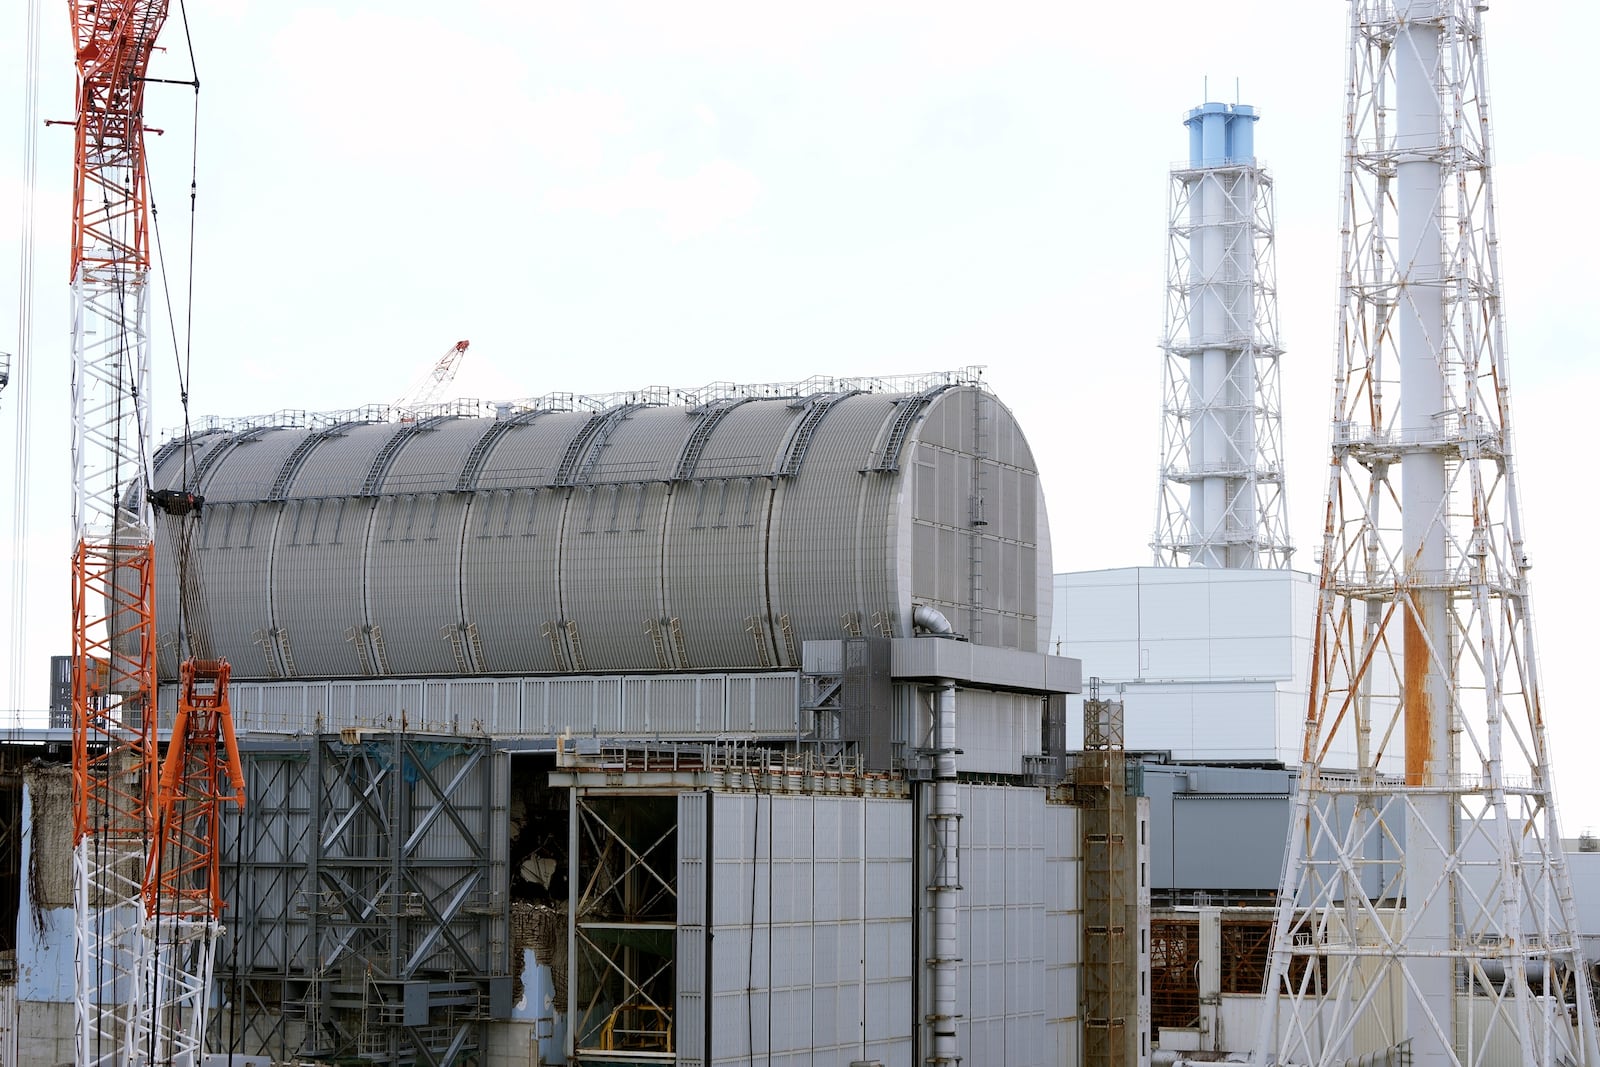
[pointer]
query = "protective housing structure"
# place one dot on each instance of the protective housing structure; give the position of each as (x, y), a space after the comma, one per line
(628, 535)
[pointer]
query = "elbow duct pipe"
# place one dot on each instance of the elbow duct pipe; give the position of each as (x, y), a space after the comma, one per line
(945, 823)
(931, 619)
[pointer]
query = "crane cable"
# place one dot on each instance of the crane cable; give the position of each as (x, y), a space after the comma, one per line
(193, 636)
(22, 369)
(183, 358)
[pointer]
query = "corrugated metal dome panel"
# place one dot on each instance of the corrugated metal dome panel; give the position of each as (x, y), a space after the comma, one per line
(643, 445)
(247, 469)
(232, 553)
(716, 536)
(510, 576)
(746, 440)
(611, 573)
(430, 460)
(316, 586)
(814, 570)
(531, 453)
(339, 461)
(179, 459)
(413, 569)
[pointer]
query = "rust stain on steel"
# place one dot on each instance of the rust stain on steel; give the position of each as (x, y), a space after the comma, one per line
(1419, 710)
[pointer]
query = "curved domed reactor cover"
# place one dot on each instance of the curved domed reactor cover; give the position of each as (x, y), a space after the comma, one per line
(619, 534)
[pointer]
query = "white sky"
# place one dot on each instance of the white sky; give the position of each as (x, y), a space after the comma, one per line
(606, 195)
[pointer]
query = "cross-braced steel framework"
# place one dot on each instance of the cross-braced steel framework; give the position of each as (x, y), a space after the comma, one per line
(622, 949)
(1430, 881)
(1220, 502)
(371, 913)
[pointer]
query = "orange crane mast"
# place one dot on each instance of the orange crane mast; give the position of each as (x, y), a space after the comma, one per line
(147, 908)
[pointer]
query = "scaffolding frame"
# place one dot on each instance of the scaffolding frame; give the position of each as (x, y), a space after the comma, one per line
(1101, 778)
(370, 876)
(622, 937)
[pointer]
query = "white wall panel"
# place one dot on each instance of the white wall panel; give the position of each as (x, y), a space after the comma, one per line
(1236, 642)
(800, 971)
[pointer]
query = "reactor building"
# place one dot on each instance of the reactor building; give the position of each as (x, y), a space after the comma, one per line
(653, 728)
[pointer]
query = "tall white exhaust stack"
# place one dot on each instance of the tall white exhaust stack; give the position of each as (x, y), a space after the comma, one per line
(1427, 914)
(1221, 500)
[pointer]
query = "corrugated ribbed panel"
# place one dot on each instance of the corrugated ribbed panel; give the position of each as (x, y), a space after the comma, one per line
(510, 575)
(611, 573)
(177, 465)
(317, 586)
(746, 441)
(716, 553)
(643, 446)
(885, 612)
(413, 569)
(1009, 554)
(690, 967)
(583, 705)
(531, 453)
(233, 552)
(247, 470)
(814, 539)
(177, 462)
(339, 463)
(760, 705)
(431, 460)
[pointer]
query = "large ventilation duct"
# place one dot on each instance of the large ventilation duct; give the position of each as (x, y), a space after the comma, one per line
(628, 538)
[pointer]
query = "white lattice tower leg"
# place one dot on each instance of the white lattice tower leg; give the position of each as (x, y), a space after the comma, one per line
(113, 650)
(1426, 913)
(174, 995)
(109, 951)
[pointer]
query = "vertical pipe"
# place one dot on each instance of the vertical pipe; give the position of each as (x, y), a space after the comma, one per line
(1426, 690)
(1208, 977)
(945, 879)
(573, 998)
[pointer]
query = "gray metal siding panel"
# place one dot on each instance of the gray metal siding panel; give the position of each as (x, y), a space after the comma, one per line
(529, 454)
(316, 583)
(234, 555)
(431, 460)
(338, 465)
(814, 542)
(715, 577)
(248, 469)
(611, 572)
(413, 567)
(510, 575)
(1229, 842)
(1002, 920)
(643, 446)
(746, 441)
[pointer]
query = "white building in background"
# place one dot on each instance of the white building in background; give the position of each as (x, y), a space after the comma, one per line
(1210, 662)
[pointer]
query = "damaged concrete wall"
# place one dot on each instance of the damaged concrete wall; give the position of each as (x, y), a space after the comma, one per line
(45, 921)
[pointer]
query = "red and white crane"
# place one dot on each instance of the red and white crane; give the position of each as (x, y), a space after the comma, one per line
(427, 389)
(145, 841)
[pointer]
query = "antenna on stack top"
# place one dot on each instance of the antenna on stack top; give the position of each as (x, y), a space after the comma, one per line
(1426, 915)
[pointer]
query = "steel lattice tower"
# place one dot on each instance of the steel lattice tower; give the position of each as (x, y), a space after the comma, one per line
(1220, 502)
(1426, 914)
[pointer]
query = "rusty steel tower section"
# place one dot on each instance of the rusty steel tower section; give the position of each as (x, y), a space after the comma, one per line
(1426, 914)
(1221, 501)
